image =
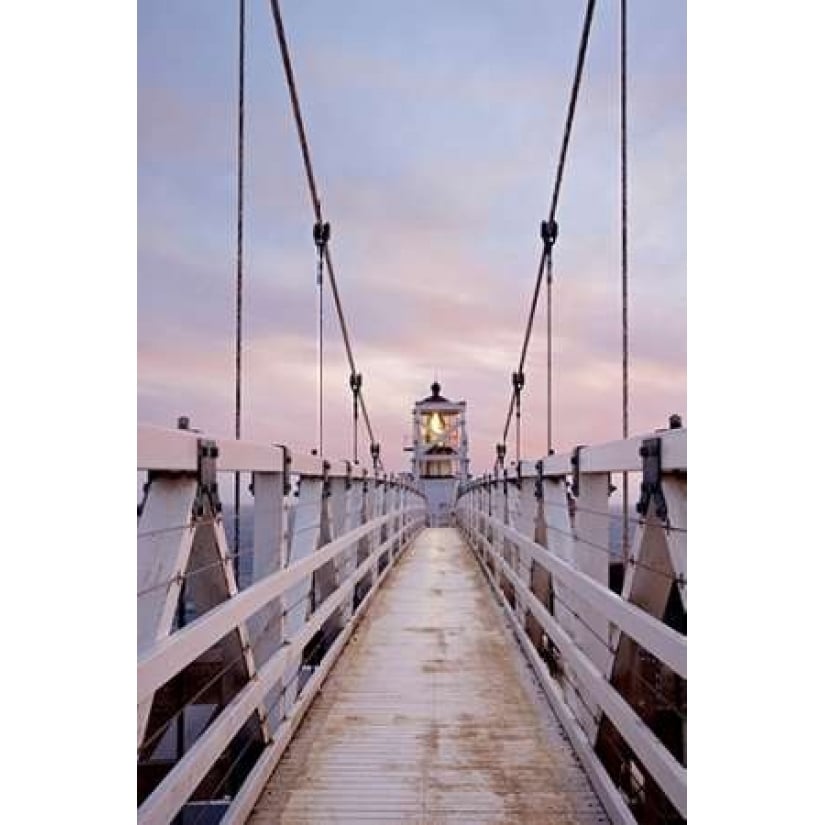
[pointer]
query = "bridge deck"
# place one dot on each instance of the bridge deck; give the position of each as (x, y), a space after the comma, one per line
(430, 715)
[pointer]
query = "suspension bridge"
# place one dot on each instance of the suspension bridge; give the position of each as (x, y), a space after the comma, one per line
(422, 645)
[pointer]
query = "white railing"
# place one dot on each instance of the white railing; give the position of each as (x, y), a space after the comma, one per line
(541, 531)
(324, 539)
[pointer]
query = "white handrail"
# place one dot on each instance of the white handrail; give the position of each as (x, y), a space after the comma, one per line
(670, 775)
(166, 449)
(664, 642)
(170, 655)
(179, 784)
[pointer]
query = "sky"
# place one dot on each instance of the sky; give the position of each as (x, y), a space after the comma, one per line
(435, 129)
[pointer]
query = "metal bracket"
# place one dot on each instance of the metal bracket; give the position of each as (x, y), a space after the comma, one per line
(540, 481)
(287, 462)
(348, 477)
(207, 477)
(651, 453)
(326, 488)
(575, 462)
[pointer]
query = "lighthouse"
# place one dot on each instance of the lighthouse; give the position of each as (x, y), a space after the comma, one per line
(439, 445)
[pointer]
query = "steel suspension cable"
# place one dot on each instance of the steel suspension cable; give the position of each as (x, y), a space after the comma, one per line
(551, 220)
(623, 129)
(239, 259)
(320, 359)
(316, 201)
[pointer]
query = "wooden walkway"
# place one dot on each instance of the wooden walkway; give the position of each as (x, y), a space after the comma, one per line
(431, 715)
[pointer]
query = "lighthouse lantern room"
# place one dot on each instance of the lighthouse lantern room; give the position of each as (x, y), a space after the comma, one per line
(440, 460)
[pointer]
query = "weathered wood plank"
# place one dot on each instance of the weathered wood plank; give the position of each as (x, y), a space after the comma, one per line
(430, 715)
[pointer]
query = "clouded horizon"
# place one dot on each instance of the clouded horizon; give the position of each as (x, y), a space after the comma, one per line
(434, 129)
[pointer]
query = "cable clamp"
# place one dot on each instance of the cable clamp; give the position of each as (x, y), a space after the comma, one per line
(501, 451)
(320, 234)
(549, 233)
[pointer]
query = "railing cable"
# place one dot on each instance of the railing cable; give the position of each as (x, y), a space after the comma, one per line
(158, 734)
(264, 718)
(608, 515)
(670, 704)
(609, 551)
(679, 579)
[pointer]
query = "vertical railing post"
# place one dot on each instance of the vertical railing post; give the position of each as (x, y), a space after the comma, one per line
(340, 488)
(491, 493)
(472, 515)
(496, 537)
(266, 626)
(373, 508)
(482, 508)
(507, 519)
(526, 509)
(305, 535)
(398, 503)
(163, 549)
(483, 496)
(566, 606)
(592, 531)
(478, 492)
